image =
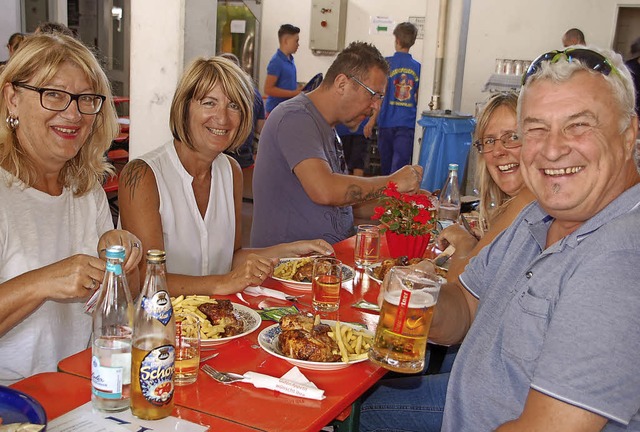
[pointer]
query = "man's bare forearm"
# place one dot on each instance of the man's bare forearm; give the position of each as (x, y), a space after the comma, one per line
(355, 194)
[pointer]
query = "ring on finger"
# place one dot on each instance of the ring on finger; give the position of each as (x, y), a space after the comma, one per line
(135, 244)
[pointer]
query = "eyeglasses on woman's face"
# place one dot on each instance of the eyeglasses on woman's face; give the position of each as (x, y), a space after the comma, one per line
(487, 145)
(59, 100)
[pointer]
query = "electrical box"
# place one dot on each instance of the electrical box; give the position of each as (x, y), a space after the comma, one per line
(328, 22)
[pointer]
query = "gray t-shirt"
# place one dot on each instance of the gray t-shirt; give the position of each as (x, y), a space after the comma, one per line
(563, 320)
(283, 212)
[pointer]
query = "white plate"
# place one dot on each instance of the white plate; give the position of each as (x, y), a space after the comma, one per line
(371, 274)
(268, 340)
(442, 270)
(347, 275)
(248, 316)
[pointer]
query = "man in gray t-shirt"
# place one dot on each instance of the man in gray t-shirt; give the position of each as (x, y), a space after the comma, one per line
(549, 311)
(301, 187)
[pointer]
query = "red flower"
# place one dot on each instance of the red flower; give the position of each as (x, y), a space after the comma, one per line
(404, 213)
(422, 217)
(378, 212)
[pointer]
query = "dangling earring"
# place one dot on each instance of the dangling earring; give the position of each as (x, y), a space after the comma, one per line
(13, 121)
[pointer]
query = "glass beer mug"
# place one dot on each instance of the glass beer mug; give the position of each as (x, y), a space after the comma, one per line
(409, 296)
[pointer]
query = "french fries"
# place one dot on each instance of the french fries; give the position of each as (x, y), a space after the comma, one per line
(353, 344)
(189, 305)
(288, 269)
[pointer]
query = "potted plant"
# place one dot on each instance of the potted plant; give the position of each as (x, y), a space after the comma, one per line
(407, 221)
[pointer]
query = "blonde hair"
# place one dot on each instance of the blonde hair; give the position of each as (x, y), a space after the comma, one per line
(39, 58)
(200, 77)
(492, 198)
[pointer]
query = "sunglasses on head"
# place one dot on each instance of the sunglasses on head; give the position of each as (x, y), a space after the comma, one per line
(591, 59)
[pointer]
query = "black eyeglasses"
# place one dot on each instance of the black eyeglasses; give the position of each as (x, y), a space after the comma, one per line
(486, 145)
(592, 59)
(59, 100)
(374, 94)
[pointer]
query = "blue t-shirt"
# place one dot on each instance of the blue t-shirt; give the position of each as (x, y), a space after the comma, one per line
(399, 105)
(284, 68)
(562, 320)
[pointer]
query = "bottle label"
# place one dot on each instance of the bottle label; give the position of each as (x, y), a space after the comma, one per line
(106, 381)
(114, 268)
(156, 375)
(158, 307)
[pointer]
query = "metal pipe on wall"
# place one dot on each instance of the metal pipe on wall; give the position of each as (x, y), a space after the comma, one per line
(439, 61)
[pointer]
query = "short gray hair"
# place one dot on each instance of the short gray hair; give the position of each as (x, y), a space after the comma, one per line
(620, 81)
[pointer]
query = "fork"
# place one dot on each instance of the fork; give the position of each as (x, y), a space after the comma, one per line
(221, 377)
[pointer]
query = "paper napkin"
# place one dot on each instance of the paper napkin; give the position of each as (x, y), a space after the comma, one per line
(293, 383)
(267, 292)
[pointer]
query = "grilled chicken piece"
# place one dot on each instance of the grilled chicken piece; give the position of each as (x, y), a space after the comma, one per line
(221, 313)
(304, 273)
(296, 322)
(301, 340)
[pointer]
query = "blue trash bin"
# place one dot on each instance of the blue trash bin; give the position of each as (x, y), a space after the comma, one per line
(446, 139)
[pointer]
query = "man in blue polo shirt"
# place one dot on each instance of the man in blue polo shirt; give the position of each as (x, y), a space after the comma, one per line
(282, 81)
(549, 311)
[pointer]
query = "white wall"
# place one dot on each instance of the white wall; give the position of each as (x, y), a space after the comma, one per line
(9, 24)
(157, 56)
(296, 12)
(521, 29)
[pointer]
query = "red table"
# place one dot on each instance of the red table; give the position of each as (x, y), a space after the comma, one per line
(264, 409)
(60, 393)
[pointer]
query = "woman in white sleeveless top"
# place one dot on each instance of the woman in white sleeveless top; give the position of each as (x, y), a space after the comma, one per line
(185, 197)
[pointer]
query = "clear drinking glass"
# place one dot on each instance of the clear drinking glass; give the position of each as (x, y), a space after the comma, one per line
(400, 342)
(187, 348)
(367, 250)
(326, 281)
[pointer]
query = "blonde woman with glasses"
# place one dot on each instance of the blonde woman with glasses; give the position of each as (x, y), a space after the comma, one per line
(54, 217)
(502, 191)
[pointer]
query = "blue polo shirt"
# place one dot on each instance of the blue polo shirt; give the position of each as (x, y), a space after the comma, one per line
(562, 320)
(284, 68)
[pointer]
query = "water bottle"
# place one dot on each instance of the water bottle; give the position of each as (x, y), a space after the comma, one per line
(153, 353)
(450, 199)
(112, 331)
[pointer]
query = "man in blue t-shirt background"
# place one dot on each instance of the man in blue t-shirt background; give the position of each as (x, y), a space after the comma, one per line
(282, 81)
(397, 116)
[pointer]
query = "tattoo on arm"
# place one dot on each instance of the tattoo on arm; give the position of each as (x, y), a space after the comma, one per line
(355, 194)
(133, 174)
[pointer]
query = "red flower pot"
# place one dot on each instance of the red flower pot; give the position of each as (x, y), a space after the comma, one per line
(406, 245)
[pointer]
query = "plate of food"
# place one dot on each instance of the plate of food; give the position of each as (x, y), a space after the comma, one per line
(21, 411)
(378, 271)
(221, 320)
(295, 273)
(311, 344)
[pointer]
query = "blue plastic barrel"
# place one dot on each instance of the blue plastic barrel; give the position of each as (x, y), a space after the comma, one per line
(446, 139)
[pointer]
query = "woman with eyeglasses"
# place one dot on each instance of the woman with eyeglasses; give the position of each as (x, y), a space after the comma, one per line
(502, 196)
(54, 217)
(502, 191)
(185, 197)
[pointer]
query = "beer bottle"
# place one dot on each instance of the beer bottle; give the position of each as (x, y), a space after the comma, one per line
(111, 348)
(450, 199)
(153, 353)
